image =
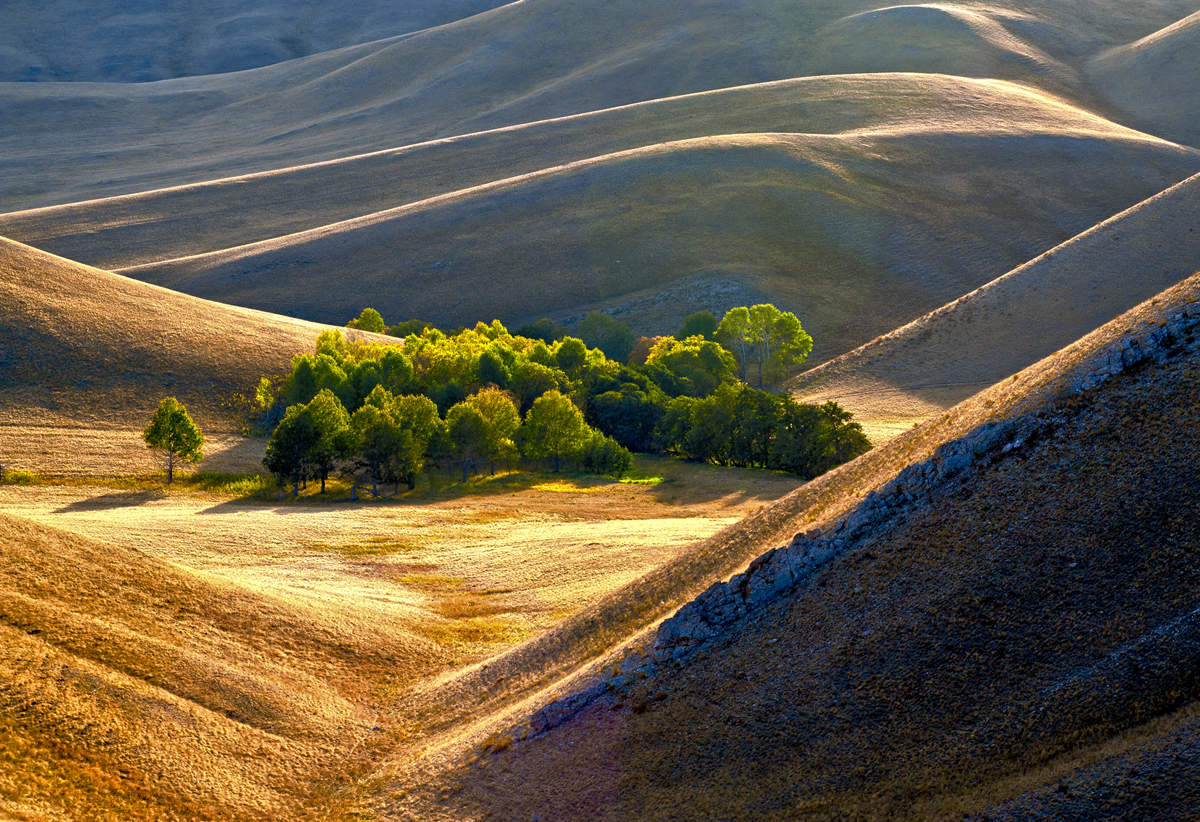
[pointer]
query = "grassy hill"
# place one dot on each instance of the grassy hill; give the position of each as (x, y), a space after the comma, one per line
(87, 353)
(123, 42)
(937, 360)
(1139, 77)
(972, 635)
(136, 688)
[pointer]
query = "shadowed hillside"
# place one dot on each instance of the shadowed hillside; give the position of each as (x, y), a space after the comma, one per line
(518, 63)
(974, 634)
(947, 355)
(114, 40)
(1138, 77)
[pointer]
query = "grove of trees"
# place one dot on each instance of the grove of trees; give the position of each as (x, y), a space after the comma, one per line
(484, 397)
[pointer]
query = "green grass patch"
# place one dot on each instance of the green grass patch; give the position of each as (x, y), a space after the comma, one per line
(241, 485)
(19, 478)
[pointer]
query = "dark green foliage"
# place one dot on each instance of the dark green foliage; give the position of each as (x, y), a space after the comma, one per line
(570, 355)
(530, 380)
(174, 435)
(407, 327)
(604, 455)
(310, 440)
(368, 320)
(629, 414)
(610, 335)
(545, 329)
(493, 370)
(701, 324)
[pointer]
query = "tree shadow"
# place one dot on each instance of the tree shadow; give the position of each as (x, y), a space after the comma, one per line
(114, 499)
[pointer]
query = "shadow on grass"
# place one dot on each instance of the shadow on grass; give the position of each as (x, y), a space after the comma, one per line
(115, 499)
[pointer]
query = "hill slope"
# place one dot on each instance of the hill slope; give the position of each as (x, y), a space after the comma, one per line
(517, 63)
(86, 350)
(967, 635)
(139, 690)
(1141, 77)
(945, 356)
(123, 42)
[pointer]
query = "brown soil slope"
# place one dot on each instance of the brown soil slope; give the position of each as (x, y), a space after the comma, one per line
(945, 356)
(824, 194)
(85, 348)
(967, 635)
(162, 224)
(137, 690)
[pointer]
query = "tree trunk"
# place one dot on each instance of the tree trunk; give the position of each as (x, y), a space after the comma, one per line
(170, 467)
(322, 482)
(556, 463)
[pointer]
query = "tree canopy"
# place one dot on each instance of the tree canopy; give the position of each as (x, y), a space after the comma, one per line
(174, 435)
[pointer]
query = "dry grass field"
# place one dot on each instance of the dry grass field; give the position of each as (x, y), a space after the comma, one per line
(254, 656)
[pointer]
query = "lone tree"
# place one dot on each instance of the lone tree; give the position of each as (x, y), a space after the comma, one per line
(174, 436)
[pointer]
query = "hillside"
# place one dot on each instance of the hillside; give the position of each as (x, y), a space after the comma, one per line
(970, 635)
(137, 689)
(88, 354)
(1163, 65)
(822, 199)
(947, 355)
(123, 42)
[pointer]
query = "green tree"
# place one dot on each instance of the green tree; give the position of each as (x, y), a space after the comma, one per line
(530, 380)
(468, 433)
(387, 452)
(502, 418)
(570, 355)
(766, 337)
(701, 324)
(604, 455)
(172, 434)
(368, 320)
(287, 451)
(610, 335)
(735, 334)
(545, 329)
(554, 428)
(781, 343)
(696, 365)
(331, 424)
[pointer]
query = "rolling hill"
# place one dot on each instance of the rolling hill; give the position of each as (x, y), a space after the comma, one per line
(970, 634)
(137, 688)
(945, 356)
(88, 354)
(1162, 65)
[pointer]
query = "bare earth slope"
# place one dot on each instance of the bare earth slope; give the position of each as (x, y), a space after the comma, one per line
(939, 359)
(974, 634)
(86, 349)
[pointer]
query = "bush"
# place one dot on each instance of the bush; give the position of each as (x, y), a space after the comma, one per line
(604, 455)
